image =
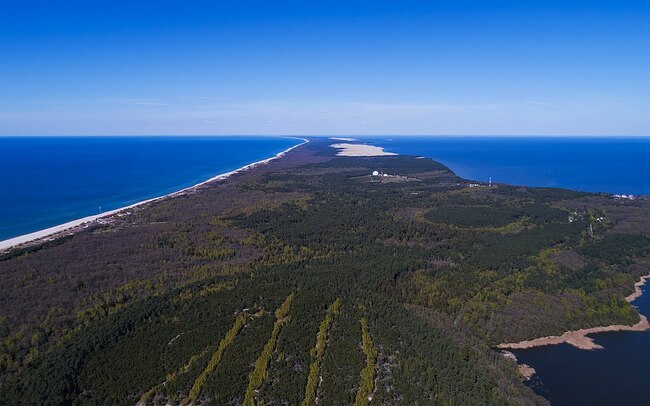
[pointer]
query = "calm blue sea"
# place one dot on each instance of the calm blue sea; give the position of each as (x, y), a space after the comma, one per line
(592, 164)
(46, 181)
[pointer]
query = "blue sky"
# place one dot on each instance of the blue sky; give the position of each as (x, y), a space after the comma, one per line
(325, 67)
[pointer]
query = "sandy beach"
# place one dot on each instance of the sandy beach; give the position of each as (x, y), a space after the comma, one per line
(579, 338)
(360, 150)
(73, 226)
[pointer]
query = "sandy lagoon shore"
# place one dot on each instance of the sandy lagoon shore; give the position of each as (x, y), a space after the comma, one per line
(360, 150)
(580, 338)
(75, 225)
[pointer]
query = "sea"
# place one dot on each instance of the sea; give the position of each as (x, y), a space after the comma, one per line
(47, 181)
(618, 165)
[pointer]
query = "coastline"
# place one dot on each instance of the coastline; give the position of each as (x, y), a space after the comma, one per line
(637, 289)
(72, 226)
(580, 338)
(525, 370)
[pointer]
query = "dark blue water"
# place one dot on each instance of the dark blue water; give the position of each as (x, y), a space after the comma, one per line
(619, 374)
(592, 164)
(46, 181)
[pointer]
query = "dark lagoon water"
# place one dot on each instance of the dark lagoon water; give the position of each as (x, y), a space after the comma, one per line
(619, 374)
(46, 181)
(592, 164)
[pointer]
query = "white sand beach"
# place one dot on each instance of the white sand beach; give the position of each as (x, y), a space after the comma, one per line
(360, 150)
(72, 226)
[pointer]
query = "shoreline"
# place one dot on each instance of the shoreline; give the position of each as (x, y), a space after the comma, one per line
(68, 228)
(525, 370)
(579, 338)
(637, 289)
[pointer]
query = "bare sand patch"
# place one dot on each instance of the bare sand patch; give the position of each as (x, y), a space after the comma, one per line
(524, 370)
(360, 150)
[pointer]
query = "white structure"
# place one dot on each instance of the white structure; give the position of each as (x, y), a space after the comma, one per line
(629, 197)
(375, 173)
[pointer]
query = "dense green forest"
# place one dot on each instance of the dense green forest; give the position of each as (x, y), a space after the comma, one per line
(308, 281)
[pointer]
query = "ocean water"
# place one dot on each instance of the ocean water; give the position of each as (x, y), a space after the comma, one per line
(592, 164)
(46, 181)
(619, 374)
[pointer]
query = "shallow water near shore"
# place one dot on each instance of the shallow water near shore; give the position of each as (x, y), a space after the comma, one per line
(47, 181)
(619, 374)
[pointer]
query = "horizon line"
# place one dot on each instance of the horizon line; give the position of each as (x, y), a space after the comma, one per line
(337, 135)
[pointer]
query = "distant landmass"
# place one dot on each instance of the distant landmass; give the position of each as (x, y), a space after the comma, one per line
(333, 274)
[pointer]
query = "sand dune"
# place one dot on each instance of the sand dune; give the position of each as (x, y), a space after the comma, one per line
(360, 150)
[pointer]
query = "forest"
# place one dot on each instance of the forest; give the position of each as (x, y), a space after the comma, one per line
(307, 281)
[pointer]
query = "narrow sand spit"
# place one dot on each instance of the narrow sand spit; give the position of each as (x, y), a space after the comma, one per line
(579, 338)
(73, 226)
(360, 150)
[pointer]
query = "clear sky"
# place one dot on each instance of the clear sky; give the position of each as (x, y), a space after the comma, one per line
(325, 67)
